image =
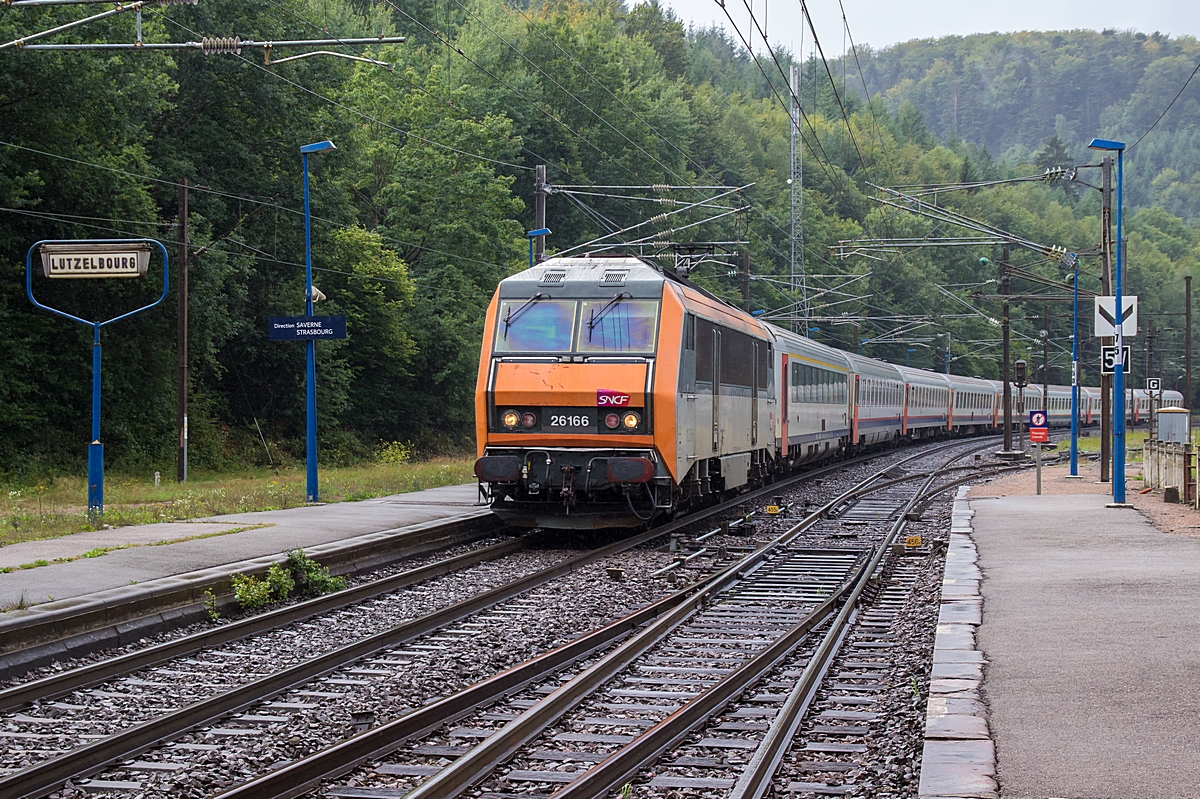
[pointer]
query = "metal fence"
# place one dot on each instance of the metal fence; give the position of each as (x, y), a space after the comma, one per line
(1169, 465)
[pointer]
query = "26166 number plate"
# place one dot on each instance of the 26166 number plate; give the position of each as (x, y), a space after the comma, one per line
(577, 420)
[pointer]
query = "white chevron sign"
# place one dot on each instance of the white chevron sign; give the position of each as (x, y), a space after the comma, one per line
(1106, 317)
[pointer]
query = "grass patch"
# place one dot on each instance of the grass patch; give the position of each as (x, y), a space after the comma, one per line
(1133, 440)
(58, 507)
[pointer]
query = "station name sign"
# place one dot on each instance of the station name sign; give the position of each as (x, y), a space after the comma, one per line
(84, 260)
(306, 328)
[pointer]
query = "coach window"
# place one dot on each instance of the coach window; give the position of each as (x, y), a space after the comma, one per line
(767, 374)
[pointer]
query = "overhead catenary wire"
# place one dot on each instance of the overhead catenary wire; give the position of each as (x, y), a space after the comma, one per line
(411, 84)
(1165, 110)
(241, 198)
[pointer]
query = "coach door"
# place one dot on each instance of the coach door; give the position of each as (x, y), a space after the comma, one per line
(783, 401)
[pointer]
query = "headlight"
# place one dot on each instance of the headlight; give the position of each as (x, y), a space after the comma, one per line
(631, 420)
(612, 421)
(511, 418)
(528, 419)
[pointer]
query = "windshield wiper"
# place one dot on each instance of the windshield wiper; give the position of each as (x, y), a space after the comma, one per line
(608, 306)
(512, 315)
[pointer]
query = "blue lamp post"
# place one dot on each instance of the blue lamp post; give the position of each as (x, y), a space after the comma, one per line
(1119, 368)
(533, 234)
(310, 379)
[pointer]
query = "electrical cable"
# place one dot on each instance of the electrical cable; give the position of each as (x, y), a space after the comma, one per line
(411, 84)
(245, 199)
(1165, 110)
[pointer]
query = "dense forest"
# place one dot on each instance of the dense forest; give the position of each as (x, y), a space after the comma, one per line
(422, 208)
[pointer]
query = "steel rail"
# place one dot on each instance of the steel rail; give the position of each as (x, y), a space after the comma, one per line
(650, 745)
(85, 676)
(43, 778)
(301, 776)
(474, 766)
(756, 779)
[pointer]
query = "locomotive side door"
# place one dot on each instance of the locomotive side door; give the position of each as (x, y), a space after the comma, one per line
(685, 406)
(759, 351)
(716, 400)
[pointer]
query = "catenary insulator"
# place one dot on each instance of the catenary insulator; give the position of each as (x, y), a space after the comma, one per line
(221, 46)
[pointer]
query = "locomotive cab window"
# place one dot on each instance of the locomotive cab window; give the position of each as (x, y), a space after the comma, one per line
(619, 325)
(535, 325)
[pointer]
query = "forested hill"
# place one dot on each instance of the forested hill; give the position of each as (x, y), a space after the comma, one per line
(422, 209)
(1010, 93)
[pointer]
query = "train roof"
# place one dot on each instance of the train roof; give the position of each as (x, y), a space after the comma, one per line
(585, 277)
(964, 383)
(923, 377)
(794, 343)
(873, 368)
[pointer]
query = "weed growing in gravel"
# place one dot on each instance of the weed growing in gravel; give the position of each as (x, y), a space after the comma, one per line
(300, 574)
(210, 605)
(312, 579)
(250, 592)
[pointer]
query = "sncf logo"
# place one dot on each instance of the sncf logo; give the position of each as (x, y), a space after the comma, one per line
(611, 399)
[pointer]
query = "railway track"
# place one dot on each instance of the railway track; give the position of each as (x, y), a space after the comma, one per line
(70, 739)
(751, 641)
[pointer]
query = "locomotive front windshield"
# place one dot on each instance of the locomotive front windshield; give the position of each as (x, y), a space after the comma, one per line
(604, 326)
(618, 325)
(536, 325)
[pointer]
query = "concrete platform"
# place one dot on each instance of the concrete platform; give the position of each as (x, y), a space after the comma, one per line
(1090, 625)
(141, 553)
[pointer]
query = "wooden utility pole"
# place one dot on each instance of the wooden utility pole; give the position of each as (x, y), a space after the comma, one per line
(1007, 399)
(1106, 381)
(746, 285)
(181, 460)
(1150, 338)
(1046, 358)
(1187, 342)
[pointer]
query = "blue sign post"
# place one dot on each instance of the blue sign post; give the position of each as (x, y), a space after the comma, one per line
(105, 263)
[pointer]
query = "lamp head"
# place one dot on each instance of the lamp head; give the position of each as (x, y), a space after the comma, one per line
(1106, 144)
(318, 147)
(542, 231)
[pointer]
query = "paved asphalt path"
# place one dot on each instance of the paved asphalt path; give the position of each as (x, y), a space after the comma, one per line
(146, 559)
(1091, 624)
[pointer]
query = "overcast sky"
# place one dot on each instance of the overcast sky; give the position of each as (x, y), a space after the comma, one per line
(883, 22)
